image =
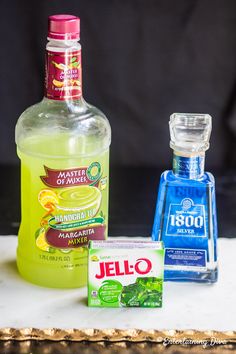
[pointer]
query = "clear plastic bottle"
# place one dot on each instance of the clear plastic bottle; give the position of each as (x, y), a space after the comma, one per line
(185, 218)
(63, 143)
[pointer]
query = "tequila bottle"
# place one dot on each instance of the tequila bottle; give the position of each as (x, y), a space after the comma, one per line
(185, 218)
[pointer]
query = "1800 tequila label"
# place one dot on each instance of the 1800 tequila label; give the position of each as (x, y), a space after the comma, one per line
(185, 229)
(186, 218)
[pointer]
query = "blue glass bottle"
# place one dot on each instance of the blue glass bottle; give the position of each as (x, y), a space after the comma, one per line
(185, 218)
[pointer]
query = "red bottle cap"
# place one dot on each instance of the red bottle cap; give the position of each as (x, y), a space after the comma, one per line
(63, 27)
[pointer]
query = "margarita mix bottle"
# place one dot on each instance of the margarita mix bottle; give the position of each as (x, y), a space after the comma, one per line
(63, 144)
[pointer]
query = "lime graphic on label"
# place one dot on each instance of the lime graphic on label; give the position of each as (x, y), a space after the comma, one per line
(47, 198)
(41, 242)
(94, 171)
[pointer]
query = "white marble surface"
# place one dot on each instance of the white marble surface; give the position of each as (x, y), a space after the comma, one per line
(186, 306)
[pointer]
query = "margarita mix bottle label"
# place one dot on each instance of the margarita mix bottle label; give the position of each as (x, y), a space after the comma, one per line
(71, 206)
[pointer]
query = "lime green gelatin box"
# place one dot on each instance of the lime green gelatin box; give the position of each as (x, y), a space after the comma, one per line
(125, 274)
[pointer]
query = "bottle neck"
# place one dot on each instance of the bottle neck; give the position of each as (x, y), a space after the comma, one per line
(189, 167)
(63, 71)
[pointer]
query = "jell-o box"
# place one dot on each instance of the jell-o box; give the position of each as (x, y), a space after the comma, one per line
(125, 273)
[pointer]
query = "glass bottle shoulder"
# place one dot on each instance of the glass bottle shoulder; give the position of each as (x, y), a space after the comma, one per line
(50, 120)
(168, 177)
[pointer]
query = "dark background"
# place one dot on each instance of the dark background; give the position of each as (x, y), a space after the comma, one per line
(142, 61)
